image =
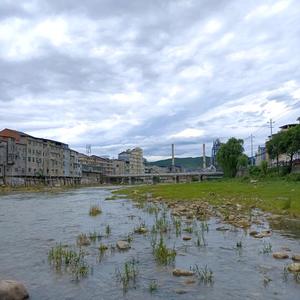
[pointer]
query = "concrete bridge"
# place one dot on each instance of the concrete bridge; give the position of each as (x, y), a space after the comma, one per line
(163, 177)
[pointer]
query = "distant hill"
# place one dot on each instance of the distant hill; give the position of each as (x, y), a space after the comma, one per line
(185, 162)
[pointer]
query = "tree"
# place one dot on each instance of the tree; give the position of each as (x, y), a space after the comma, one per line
(275, 147)
(291, 140)
(285, 142)
(228, 156)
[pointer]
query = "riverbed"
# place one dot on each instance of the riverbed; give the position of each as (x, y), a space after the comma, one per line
(33, 223)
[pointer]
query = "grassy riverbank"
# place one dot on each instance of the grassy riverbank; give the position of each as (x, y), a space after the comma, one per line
(276, 195)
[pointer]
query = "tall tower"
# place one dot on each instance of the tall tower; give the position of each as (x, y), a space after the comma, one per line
(173, 158)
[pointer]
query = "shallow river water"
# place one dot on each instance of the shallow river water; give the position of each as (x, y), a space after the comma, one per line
(32, 223)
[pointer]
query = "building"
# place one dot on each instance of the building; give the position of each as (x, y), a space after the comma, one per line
(215, 148)
(95, 168)
(25, 158)
(120, 167)
(133, 160)
(260, 155)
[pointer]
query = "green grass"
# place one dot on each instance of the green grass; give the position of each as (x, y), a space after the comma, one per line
(275, 195)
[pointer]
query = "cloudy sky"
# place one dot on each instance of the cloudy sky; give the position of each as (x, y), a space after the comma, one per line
(123, 73)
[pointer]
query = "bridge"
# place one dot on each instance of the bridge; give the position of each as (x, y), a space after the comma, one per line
(163, 177)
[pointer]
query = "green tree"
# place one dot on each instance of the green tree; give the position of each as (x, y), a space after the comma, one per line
(275, 147)
(243, 161)
(228, 156)
(291, 141)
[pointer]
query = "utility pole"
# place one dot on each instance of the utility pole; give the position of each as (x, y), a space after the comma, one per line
(251, 141)
(271, 122)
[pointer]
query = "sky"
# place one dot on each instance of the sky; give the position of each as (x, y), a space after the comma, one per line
(117, 74)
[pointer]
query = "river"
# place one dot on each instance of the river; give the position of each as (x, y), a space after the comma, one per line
(32, 223)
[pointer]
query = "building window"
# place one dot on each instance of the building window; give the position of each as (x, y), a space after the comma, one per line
(29, 158)
(29, 170)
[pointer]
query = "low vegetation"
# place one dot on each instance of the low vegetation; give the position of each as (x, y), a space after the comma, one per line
(274, 195)
(127, 276)
(162, 254)
(205, 275)
(71, 261)
(95, 210)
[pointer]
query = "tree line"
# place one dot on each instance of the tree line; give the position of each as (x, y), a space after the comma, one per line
(231, 156)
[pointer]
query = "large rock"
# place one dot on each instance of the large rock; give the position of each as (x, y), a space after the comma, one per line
(12, 290)
(296, 257)
(280, 255)
(182, 272)
(294, 267)
(123, 245)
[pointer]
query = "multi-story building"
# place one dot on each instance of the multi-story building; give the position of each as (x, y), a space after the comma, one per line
(134, 159)
(120, 167)
(260, 155)
(26, 156)
(95, 168)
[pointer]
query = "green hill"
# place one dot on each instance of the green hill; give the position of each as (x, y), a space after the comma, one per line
(185, 162)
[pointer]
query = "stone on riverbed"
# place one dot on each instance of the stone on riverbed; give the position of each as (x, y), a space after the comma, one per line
(294, 267)
(296, 257)
(12, 290)
(187, 238)
(182, 272)
(123, 245)
(280, 255)
(260, 235)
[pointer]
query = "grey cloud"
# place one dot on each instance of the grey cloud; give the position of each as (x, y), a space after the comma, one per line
(126, 95)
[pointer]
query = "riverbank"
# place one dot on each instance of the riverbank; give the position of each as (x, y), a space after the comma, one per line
(276, 195)
(4, 190)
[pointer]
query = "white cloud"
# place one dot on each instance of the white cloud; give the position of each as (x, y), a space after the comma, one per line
(194, 72)
(268, 10)
(188, 133)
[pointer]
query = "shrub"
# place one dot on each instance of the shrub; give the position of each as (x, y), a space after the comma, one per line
(264, 167)
(254, 171)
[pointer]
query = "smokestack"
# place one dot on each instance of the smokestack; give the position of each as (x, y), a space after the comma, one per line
(173, 157)
(204, 157)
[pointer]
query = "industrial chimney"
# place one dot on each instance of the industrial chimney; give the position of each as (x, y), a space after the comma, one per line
(204, 157)
(173, 158)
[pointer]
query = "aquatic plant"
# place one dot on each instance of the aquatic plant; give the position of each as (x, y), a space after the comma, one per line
(201, 242)
(177, 224)
(94, 236)
(267, 248)
(141, 229)
(161, 225)
(152, 209)
(153, 286)
(205, 275)
(95, 210)
(204, 226)
(83, 240)
(188, 229)
(71, 261)
(128, 274)
(129, 238)
(162, 254)
(239, 244)
(107, 230)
